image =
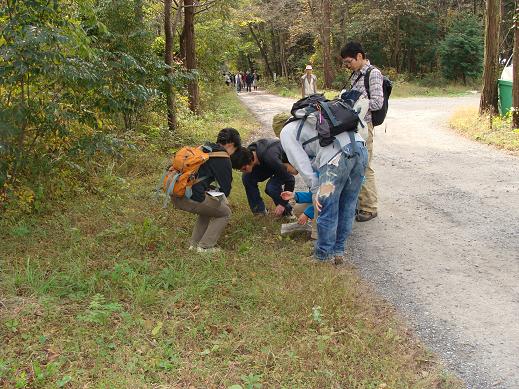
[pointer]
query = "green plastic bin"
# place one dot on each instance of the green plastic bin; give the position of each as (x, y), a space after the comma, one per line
(505, 96)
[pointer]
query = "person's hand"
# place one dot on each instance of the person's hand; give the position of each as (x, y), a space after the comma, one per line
(303, 219)
(279, 210)
(287, 195)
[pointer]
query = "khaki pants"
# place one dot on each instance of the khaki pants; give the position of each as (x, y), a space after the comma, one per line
(299, 209)
(368, 193)
(213, 216)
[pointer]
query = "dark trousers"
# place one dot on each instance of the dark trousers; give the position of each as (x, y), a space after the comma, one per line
(249, 87)
(275, 186)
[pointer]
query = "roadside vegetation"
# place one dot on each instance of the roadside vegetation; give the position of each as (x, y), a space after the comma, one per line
(99, 290)
(496, 131)
(402, 88)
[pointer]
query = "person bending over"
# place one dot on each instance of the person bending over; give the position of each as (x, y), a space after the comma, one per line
(265, 160)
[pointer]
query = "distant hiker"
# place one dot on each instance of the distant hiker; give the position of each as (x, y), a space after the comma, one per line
(249, 78)
(255, 80)
(237, 80)
(334, 174)
(227, 79)
(354, 58)
(308, 82)
(243, 79)
(209, 201)
(265, 160)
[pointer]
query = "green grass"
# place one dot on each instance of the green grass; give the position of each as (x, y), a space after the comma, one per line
(497, 131)
(101, 292)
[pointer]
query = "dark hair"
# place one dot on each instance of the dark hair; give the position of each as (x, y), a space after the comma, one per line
(241, 157)
(352, 49)
(229, 135)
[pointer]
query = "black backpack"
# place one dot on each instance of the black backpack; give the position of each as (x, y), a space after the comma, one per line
(334, 117)
(378, 117)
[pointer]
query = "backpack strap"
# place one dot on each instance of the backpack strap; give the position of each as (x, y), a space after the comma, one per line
(366, 79)
(219, 154)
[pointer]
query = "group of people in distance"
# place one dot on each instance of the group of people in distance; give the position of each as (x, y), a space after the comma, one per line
(334, 174)
(243, 80)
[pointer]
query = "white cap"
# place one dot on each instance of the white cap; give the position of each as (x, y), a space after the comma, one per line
(308, 67)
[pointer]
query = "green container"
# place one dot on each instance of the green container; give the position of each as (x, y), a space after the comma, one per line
(505, 96)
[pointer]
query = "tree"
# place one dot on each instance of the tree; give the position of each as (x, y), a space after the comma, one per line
(169, 29)
(461, 50)
(190, 51)
(488, 100)
(515, 85)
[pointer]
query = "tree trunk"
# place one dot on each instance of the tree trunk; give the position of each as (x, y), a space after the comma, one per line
(488, 100)
(515, 86)
(189, 42)
(282, 54)
(262, 51)
(139, 12)
(326, 43)
(395, 57)
(168, 58)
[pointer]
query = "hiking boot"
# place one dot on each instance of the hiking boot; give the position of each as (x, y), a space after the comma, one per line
(364, 216)
(338, 260)
(289, 228)
(262, 213)
(317, 261)
(209, 250)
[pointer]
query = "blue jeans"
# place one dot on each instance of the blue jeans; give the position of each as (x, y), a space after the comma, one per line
(273, 189)
(339, 186)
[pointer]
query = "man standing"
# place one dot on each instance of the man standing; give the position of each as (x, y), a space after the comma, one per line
(213, 210)
(260, 161)
(354, 58)
(308, 82)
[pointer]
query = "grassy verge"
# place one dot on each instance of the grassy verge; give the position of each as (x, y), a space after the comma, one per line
(496, 131)
(103, 293)
(401, 89)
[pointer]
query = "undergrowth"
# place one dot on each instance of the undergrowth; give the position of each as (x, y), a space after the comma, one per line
(100, 291)
(492, 130)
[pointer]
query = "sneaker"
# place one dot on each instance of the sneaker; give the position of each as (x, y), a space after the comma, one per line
(316, 261)
(338, 260)
(289, 228)
(262, 213)
(191, 248)
(209, 250)
(364, 216)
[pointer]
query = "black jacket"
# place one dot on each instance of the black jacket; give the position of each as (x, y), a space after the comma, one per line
(217, 169)
(271, 156)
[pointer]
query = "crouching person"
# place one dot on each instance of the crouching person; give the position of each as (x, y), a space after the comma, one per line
(304, 211)
(265, 160)
(205, 199)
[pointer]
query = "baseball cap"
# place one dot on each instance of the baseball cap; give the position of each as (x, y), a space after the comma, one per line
(308, 67)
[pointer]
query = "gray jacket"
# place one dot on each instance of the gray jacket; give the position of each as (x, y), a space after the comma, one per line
(309, 158)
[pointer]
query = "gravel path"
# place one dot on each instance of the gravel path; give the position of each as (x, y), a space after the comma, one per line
(445, 247)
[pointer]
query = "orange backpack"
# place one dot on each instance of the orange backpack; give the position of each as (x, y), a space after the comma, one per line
(182, 173)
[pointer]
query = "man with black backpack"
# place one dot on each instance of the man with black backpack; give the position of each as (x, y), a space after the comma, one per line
(367, 80)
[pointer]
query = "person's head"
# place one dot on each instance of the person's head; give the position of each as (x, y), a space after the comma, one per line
(308, 69)
(353, 56)
(230, 139)
(243, 160)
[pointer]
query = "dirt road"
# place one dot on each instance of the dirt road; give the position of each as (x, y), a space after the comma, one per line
(445, 247)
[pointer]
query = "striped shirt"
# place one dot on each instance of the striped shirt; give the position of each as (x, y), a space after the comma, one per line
(375, 88)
